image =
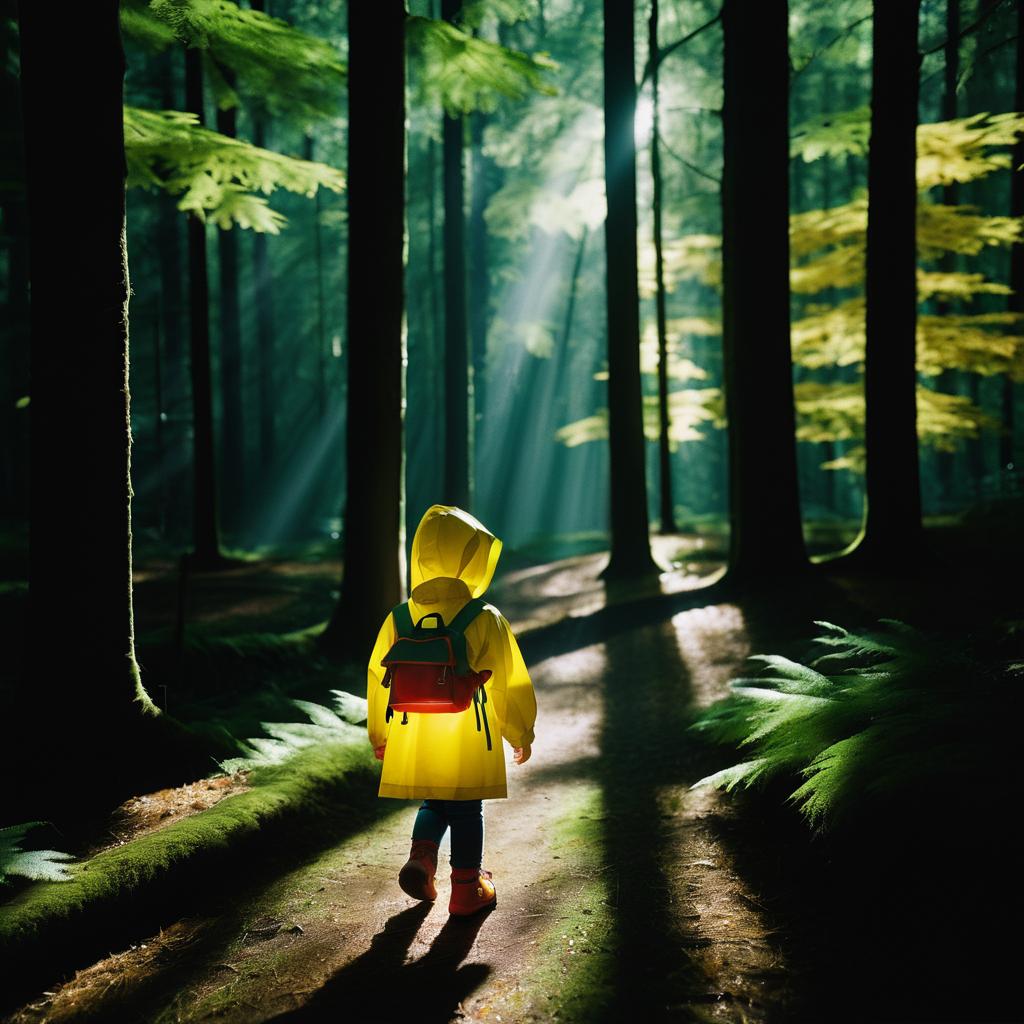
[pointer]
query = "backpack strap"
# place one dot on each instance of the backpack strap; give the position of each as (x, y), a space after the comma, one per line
(457, 631)
(403, 619)
(467, 613)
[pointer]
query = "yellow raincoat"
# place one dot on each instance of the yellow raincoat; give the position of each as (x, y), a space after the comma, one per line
(442, 756)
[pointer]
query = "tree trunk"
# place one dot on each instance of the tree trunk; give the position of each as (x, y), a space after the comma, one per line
(456, 345)
(159, 422)
(1007, 448)
(665, 502)
(81, 638)
(205, 533)
(479, 278)
(264, 285)
(318, 267)
(630, 545)
(14, 483)
(764, 505)
(830, 448)
(436, 310)
(232, 445)
(376, 204)
(946, 380)
(892, 529)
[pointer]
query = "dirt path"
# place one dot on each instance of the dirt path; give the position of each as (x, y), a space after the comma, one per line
(618, 896)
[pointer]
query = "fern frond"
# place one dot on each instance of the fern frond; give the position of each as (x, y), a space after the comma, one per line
(466, 73)
(39, 865)
(901, 713)
(283, 70)
(215, 175)
(350, 707)
(284, 739)
(744, 774)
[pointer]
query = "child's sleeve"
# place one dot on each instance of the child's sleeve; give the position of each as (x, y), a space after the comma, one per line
(513, 696)
(376, 695)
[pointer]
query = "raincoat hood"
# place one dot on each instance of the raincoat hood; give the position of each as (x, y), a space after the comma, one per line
(451, 552)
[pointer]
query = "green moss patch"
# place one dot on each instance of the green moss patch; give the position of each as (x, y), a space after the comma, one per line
(571, 976)
(125, 891)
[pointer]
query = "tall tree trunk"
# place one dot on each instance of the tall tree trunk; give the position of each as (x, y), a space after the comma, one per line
(892, 525)
(1007, 447)
(479, 277)
(14, 484)
(982, 93)
(205, 532)
(830, 448)
(376, 206)
(159, 421)
(456, 345)
(81, 592)
(264, 285)
(630, 545)
(232, 445)
(561, 391)
(764, 505)
(436, 305)
(318, 266)
(946, 380)
(665, 502)
(172, 304)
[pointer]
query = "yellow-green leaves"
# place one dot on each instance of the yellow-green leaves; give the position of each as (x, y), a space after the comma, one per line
(961, 150)
(690, 409)
(216, 176)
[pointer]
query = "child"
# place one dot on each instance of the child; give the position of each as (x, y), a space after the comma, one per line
(443, 759)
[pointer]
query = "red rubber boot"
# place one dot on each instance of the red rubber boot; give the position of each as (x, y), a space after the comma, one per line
(417, 875)
(472, 891)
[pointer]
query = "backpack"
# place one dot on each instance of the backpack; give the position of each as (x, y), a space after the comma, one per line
(427, 668)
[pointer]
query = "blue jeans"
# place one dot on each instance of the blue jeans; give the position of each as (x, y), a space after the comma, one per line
(466, 818)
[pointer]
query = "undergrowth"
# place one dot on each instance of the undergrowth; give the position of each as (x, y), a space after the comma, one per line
(888, 718)
(305, 784)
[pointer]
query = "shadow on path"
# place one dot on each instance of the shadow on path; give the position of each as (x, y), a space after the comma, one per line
(381, 985)
(210, 912)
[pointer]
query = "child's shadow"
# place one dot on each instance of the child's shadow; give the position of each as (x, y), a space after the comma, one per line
(379, 986)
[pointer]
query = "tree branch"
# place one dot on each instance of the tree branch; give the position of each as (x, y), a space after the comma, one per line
(665, 51)
(828, 46)
(686, 163)
(973, 27)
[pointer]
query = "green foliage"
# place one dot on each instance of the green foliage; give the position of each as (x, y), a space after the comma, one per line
(961, 150)
(833, 411)
(283, 70)
(884, 716)
(475, 12)
(284, 739)
(980, 343)
(688, 258)
(36, 864)
(689, 410)
(215, 175)
(139, 24)
(828, 248)
(837, 134)
(465, 73)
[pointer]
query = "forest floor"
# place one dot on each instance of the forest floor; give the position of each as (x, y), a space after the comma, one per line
(623, 893)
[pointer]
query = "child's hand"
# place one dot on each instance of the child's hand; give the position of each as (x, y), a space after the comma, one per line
(522, 754)
(378, 752)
